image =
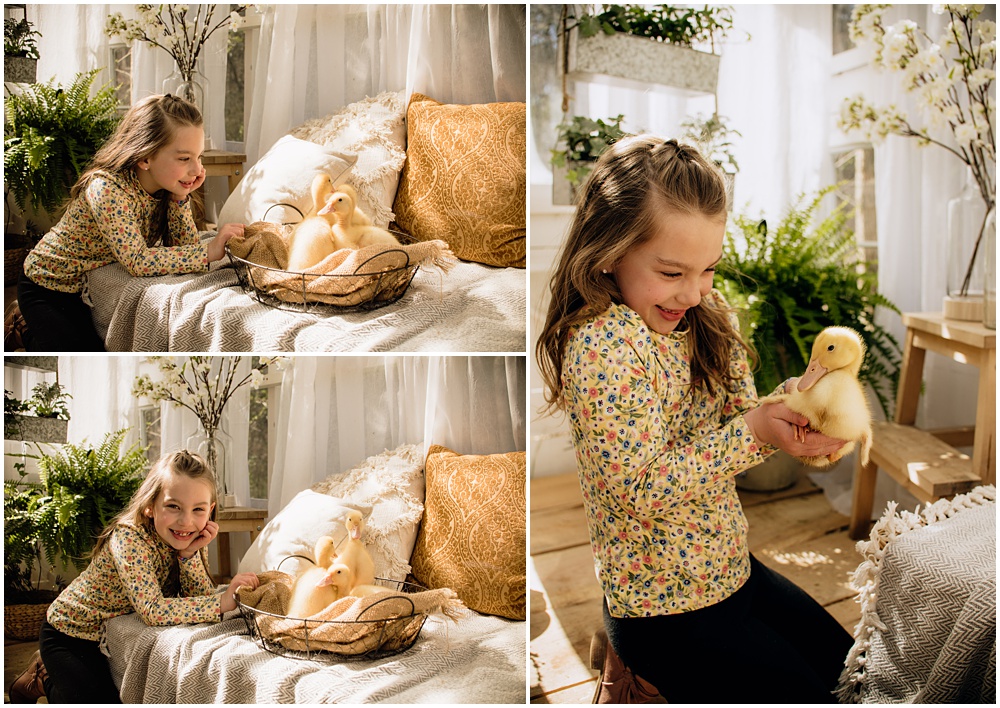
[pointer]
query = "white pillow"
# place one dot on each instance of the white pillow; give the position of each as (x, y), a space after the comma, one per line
(295, 530)
(374, 129)
(392, 483)
(283, 175)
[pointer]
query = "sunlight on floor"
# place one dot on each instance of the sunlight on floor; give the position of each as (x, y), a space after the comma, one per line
(805, 559)
(555, 663)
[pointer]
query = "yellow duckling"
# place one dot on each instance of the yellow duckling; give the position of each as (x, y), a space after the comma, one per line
(830, 395)
(350, 230)
(312, 238)
(354, 555)
(315, 589)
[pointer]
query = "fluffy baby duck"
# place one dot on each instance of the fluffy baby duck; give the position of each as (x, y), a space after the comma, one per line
(354, 555)
(314, 591)
(830, 395)
(350, 231)
(312, 238)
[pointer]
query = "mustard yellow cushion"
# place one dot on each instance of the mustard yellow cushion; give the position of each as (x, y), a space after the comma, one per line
(464, 179)
(473, 535)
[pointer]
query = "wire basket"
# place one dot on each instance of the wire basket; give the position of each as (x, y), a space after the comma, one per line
(383, 278)
(379, 637)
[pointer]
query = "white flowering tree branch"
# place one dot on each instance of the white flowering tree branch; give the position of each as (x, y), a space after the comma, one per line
(952, 79)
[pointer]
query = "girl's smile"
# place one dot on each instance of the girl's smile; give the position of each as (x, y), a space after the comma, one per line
(182, 510)
(672, 271)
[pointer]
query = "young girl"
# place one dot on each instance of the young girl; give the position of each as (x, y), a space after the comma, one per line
(645, 358)
(131, 205)
(151, 560)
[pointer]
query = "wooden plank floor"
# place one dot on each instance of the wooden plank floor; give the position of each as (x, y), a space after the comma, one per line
(793, 531)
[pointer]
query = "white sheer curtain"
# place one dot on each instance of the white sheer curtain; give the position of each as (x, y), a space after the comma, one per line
(315, 59)
(337, 411)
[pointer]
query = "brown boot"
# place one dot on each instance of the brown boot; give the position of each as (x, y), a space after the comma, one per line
(617, 683)
(29, 686)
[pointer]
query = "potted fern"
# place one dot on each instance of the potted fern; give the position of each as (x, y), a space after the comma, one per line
(50, 135)
(81, 490)
(794, 278)
(648, 45)
(20, 53)
(42, 418)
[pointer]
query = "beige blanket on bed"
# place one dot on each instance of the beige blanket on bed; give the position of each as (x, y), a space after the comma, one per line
(384, 621)
(347, 277)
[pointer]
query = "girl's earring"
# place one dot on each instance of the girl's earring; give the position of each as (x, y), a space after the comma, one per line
(604, 270)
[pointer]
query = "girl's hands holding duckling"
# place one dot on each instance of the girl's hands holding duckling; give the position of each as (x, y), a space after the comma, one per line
(217, 246)
(777, 424)
(228, 602)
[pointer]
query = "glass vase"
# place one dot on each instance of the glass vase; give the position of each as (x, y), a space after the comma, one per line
(216, 448)
(965, 253)
(990, 270)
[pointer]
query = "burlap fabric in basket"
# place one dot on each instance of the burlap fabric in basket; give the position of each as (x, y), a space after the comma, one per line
(346, 277)
(383, 621)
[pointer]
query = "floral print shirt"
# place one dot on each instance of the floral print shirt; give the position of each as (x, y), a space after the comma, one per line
(136, 571)
(109, 222)
(657, 465)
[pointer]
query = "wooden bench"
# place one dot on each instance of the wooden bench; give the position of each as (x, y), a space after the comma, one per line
(926, 465)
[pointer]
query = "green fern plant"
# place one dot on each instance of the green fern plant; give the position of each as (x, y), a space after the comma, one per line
(83, 488)
(797, 278)
(21, 550)
(50, 136)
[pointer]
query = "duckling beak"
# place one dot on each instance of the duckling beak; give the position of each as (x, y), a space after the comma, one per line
(814, 373)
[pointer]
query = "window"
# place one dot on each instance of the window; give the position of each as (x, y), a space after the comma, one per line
(240, 52)
(149, 432)
(855, 174)
(841, 20)
(264, 402)
(121, 64)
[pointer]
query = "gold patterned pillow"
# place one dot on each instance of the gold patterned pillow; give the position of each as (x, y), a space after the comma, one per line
(464, 179)
(473, 535)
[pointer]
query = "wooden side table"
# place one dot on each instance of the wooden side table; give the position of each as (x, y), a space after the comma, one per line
(231, 520)
(220, 163)
(925, 461)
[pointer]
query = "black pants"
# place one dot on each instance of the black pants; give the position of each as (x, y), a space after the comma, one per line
(57, 321)
(78, 671)
(767, 643)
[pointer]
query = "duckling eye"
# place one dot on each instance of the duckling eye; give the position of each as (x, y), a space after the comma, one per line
(830, 348)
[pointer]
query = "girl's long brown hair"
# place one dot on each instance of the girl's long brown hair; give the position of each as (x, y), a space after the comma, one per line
(182, 462)
(633, 185)
(147, 127)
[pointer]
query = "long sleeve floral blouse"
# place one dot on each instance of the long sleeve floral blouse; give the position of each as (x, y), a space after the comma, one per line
(657, 465)
(109, 222)
(139, 572)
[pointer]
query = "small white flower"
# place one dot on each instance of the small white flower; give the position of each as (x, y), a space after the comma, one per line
(966, 133)
(981, 77)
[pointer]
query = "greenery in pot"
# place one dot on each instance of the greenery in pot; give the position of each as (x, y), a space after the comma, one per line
(584, 140)
(48, 400)
(683, 26)
(797, 278)
(21, 550)
(19, 39)
(713, 138)
(51, 134)
(82, 488)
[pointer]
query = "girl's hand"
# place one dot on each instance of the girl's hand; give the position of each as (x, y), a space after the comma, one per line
(217, 246)
(249, 580)
(203, 538)
(775, 424)
(198, 181)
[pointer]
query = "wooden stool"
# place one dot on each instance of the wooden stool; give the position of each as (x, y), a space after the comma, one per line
(929, 468)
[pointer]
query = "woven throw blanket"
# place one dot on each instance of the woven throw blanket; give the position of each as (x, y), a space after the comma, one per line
(346, 277)
(474, 308)
(383, 621)
(479, 659)
(927, 589)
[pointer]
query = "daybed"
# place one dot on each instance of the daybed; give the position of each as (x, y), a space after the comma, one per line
(412, 175)
(470, 539)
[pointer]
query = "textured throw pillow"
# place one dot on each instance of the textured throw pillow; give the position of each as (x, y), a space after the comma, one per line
(464, 179)
(283, 175)
(373, 129)
(295, 530)
(472, 538)
(392, 484)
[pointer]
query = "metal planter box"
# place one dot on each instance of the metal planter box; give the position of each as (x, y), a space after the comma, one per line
(50, 430)
(641, 61)
(19, 70)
